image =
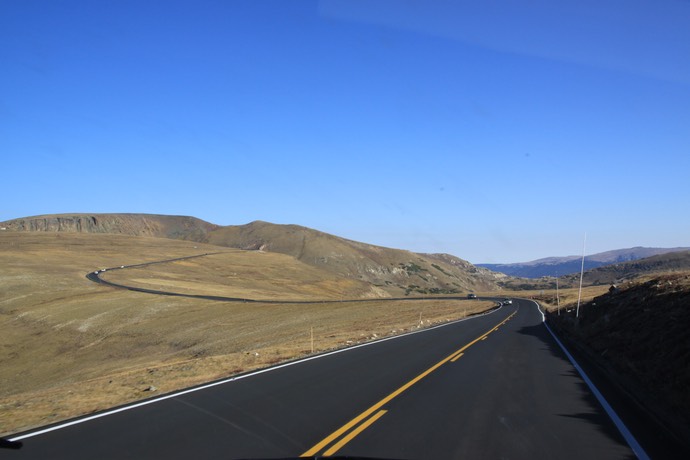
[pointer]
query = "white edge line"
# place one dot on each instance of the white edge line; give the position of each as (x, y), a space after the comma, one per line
(627, 435)
(232, 379)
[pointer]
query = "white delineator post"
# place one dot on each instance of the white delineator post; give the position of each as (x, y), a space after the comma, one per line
(582, 271)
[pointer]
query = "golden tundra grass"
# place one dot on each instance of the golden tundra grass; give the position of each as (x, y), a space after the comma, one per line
(567, 297)
(69, 346)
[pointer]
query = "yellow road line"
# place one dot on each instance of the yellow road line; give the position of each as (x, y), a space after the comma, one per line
(336, 434)
(456, 357)
(353, 433)
(339, 432)
(311, 452)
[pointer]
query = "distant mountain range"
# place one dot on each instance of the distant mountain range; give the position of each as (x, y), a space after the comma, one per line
(675, 261)
(395, 271)
(560, 266)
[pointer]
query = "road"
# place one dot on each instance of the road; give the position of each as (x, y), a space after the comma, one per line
(96, 277)
(495, 386)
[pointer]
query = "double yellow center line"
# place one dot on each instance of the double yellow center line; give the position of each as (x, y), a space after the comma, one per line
(369, 416)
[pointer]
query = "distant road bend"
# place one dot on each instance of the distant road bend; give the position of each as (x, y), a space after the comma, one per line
(492, 386)
(95, 276)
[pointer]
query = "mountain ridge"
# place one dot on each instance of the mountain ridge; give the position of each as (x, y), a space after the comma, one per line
(675, 261)
(397, 271)
(560, 266)
(133, 224)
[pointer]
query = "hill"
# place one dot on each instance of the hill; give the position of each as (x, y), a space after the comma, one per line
(559, 266)
(396, 271)
(626, 271)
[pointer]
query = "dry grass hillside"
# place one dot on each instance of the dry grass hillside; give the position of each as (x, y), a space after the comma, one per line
(69, 346)
(236, 273)
(395, 271)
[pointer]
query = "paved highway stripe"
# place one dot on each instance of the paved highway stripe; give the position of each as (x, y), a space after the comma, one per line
(354, 433)
(376, 407)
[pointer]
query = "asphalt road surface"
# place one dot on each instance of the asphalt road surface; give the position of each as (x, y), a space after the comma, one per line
(495, 386)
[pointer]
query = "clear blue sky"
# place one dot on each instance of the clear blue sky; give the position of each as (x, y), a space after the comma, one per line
(497, 131)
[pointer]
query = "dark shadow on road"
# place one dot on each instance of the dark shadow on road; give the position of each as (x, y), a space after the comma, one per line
(654, 438)
(597, 417)
(7, 444)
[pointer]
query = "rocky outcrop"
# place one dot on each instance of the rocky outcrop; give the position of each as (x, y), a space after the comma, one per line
(178, 227)
(85, 224)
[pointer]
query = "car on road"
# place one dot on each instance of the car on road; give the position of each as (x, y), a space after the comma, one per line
(471, 296)
(507, 301)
